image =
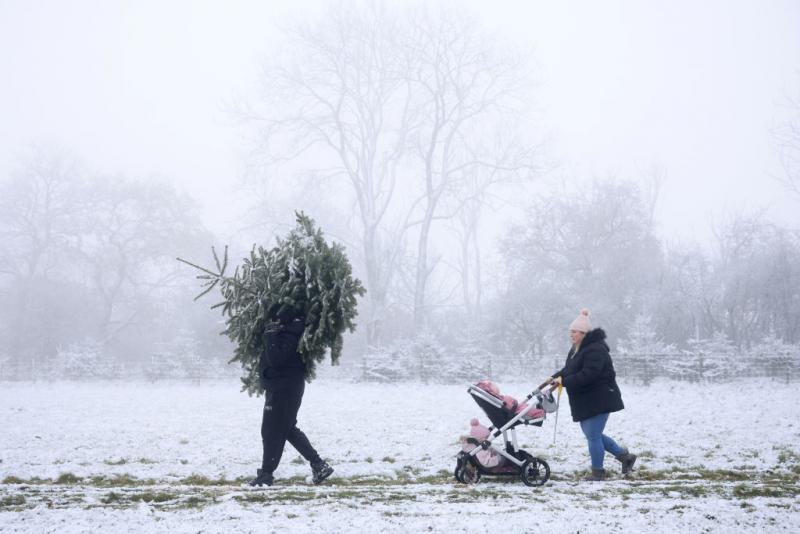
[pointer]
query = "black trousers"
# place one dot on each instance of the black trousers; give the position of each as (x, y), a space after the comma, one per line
(279, 423)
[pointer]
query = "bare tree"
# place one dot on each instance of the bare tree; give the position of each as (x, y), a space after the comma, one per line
(37, 221)
(37, 212)
(594, 248)
(756, 274)
(787, 137)
(130, 235)
(381, 97)
(468, 94)
(474, 196)
(344, 103)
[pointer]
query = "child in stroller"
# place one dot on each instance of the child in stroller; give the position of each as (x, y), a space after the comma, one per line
(479, 456)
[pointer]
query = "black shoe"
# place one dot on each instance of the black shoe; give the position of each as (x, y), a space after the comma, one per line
(598, 475)
(627, 460)
(320, 471)
(262, 479)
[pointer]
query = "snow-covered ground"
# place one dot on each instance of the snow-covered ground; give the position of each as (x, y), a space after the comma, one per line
(173, 457)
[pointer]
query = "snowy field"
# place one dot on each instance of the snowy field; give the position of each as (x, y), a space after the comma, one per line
(173, 457)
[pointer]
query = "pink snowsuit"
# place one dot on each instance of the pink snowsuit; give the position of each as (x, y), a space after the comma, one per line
(487, 458)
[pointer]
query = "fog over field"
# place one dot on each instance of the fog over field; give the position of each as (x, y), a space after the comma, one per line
(488, 170)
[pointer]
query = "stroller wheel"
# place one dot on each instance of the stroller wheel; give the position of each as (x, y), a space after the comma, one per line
(461, 460)
(458, 469)
(534, 472)
(467, 471)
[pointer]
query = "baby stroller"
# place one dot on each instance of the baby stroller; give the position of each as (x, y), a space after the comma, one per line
(505, 414)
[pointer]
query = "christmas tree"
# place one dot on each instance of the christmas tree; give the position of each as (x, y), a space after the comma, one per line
(304, 274)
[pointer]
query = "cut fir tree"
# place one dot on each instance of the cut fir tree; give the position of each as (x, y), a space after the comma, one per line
(302, 274)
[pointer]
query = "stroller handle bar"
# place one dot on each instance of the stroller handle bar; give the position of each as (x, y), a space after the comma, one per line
(543, 389)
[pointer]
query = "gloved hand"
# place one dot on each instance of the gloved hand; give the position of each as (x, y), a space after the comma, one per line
(555, 381)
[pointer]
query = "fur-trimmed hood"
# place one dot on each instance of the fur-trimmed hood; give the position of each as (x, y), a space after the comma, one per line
(594, 336)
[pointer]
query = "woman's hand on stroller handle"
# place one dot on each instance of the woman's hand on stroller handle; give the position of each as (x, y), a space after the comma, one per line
(550, 382)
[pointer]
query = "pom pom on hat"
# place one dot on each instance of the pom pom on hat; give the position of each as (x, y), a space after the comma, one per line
(477, 430)
(581, 323)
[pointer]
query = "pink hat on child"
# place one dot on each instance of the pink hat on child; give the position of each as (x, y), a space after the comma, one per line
(477, 430)
(581, 322)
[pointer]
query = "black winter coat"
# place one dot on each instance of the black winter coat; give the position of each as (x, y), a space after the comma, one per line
(280, 361)
(590, 379)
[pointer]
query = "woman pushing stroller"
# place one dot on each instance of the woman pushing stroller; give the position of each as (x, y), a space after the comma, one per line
(590, 380)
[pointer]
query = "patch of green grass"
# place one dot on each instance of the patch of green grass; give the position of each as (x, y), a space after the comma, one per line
(201, 480)
(154, 497)
(192, 502)
(146, 461)
(388, 459)
(13, 480)
(67, 478)
(694, 490)
(11, 501)
(369, 459)
(788, 456)
(298, 460)
(409, 469)
(184, 462)
(784, 506)
(747, 491)
(112, 497)
(121, 461)
(121, 481)
(272, 496)
(724, 475)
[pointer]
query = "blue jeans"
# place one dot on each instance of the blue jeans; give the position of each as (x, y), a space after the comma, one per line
(598, 442)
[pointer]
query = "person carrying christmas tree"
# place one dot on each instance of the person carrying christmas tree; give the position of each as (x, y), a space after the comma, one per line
(286, 308)
(591, 384)
(282, 373)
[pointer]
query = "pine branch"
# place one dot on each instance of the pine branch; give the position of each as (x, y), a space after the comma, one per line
(217, 277)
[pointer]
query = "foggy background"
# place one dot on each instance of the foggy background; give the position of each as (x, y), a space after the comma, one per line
(491, 170)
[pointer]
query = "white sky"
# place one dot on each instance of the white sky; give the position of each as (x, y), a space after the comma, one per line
(690, 87)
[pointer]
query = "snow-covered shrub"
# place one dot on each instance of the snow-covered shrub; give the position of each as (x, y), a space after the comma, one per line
(421, 358)
(82, 360)
(424, 359)
(774, 358)
(713, 359)
(390, 363)
(643, 355)
(467, 363)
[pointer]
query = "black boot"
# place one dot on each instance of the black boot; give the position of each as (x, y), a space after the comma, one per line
(598, 475)
(320, 471)
(262, 479)
(627, 460)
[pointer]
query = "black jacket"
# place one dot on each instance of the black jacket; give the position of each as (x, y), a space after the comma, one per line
(280, 361)
(590, 379)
